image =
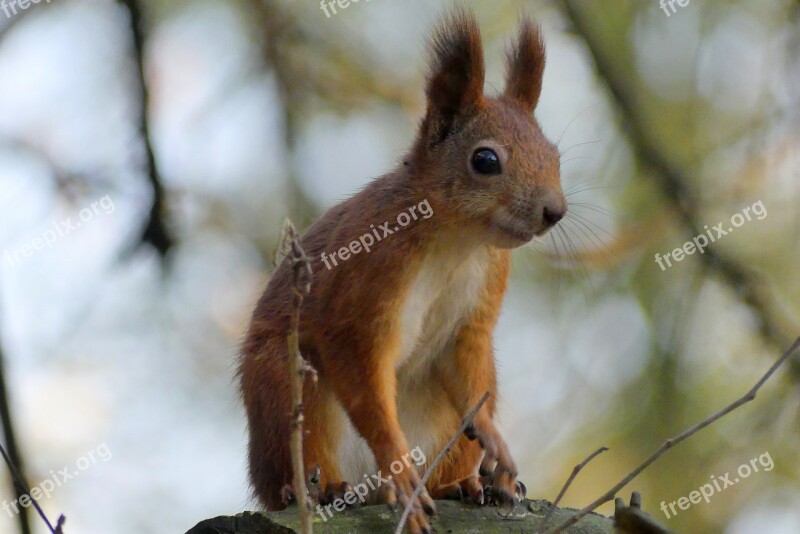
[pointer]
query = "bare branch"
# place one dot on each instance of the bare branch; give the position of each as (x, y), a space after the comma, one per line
(568, 483)
(13, 460)
(155, 231)
(774, 328)
(667, 445)
(24, 490)
(450, 444)
(299, 369)
(275, 26)
(328, 71)
(13, 457)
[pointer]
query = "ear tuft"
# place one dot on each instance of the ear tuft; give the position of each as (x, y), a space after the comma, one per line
(525, 66)
(455, 82)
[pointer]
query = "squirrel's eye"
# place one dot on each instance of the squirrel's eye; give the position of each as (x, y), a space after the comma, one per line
(485, 161)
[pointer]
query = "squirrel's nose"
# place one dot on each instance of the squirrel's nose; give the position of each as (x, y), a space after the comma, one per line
(554, 211)
(553, 215)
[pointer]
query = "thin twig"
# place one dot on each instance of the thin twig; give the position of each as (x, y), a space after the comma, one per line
(13, 457)
(450, 444)
(750, 395)
(275, 25)
(20, 483)
(155, 231)
(568, 483)
(299, 369)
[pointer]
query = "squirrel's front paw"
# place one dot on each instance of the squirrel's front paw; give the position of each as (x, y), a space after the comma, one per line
(498, 471)
(401, 491)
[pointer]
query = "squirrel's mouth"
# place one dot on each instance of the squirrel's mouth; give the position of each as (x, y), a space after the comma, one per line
(513, 232)
(516, 232)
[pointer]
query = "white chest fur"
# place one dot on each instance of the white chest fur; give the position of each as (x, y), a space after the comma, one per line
(444, 291)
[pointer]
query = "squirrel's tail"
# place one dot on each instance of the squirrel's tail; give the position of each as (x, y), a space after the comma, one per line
(265, 384)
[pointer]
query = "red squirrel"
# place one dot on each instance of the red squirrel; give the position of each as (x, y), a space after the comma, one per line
(401, 334)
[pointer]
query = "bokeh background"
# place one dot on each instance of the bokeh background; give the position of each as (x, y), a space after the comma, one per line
(196, 127)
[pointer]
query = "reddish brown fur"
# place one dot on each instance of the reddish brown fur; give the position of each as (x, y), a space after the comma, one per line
(525, 84)
(351, 326)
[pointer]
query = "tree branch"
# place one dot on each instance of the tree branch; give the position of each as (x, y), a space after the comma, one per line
(675, 185)
(299, 369)
(155, 232)
(577, 469)
(13, 457)
(667, 445)
(275, 25)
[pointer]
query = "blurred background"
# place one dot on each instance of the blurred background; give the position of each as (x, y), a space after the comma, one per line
(150, 149)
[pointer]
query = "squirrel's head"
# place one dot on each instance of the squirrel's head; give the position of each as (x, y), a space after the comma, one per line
(485, 159)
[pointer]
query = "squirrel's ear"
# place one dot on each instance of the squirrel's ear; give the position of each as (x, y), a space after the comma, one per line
(525, 66)
(455, 82)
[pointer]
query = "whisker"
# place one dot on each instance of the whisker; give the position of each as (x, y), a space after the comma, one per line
(580, 144)
(576, 258)
(567, 255)
(560, 137)
(574, 224)
(593, 189)
(599, 243)
(580, 239)
(573, 159)
(590, 223)
(555, 246)
(584, 183)
(592, 207)
(536, 246)
(594, 239)
(558, 260)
